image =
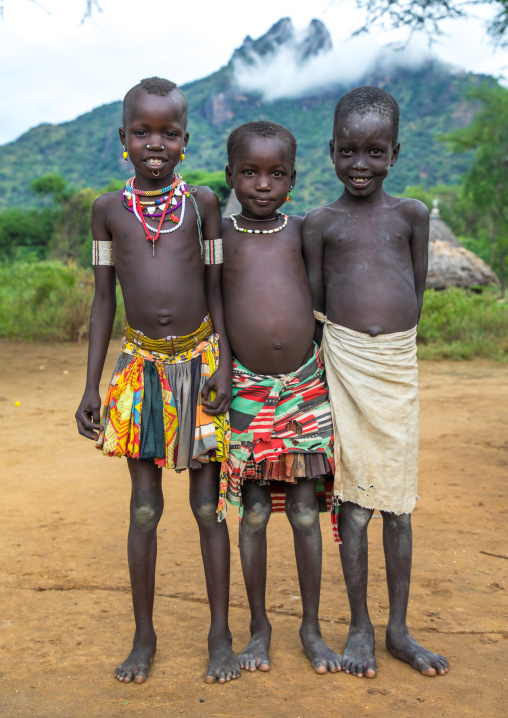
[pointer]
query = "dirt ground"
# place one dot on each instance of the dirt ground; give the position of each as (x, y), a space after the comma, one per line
(66, 619)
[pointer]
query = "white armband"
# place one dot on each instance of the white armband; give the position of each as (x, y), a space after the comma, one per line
(102, 253)
(212, 251)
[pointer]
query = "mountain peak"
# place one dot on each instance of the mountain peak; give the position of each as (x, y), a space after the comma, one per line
(303, 44)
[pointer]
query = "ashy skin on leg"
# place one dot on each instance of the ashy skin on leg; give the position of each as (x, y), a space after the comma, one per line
(398, 548)
(358, 657)
(145, 511)
(303, 514)
(257, 507)
(214, 540)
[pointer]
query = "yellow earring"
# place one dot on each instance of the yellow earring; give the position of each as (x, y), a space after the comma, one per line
(125, 154)
(182, 157)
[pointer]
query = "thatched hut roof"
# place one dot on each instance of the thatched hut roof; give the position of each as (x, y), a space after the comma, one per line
(451, 264)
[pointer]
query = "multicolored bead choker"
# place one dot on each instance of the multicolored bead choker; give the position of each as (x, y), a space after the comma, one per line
(260, 231)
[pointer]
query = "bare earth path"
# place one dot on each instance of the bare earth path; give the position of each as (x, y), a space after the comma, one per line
(65, 617)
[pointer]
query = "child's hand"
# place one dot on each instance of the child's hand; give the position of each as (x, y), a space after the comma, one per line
(220, 382)
(88, 415)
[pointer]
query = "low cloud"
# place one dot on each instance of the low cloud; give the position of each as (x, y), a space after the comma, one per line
(281, 74)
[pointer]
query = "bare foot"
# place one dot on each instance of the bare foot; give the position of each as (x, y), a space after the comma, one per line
(256, 654)
(223, 666)
(358, 657)
(137, 664)
(321, 656)
(404, 647)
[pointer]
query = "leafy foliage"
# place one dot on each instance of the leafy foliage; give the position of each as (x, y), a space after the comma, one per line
(486, 181)
(459, 324)
(47, 301)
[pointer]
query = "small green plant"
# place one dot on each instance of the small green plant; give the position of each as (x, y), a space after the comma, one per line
(460, 324)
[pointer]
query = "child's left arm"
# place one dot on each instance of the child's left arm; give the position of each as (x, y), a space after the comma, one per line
(419, 244)
(221, 379)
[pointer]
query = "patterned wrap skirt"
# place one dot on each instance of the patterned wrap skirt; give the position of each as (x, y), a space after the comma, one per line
(153, 409)
(281, 433)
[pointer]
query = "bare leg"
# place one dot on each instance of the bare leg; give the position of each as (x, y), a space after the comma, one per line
(303, 513)
(257, 506)
(145, 511)
(358, 657)
(214, 539)
(398, 547)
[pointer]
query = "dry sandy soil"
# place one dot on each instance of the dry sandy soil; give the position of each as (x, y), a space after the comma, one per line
(66, 620)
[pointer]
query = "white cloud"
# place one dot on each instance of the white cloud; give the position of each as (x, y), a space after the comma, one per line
(281, 76)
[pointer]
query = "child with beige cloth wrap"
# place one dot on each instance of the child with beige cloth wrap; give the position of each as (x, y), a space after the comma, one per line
(366, 257)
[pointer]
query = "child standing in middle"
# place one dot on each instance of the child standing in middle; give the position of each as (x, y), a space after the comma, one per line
(280, 417)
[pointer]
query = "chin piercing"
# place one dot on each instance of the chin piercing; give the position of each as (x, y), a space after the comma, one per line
(155, 174)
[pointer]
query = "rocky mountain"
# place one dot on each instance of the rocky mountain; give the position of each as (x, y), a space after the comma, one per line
(432, 99)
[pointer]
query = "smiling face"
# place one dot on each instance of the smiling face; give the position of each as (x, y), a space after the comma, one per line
(261, 174)
(155, 134)
(363, 151)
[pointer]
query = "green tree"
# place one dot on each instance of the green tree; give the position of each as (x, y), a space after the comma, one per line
(486, 182)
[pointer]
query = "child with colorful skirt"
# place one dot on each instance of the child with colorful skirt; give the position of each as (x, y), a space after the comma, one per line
(167, 402)
(281, 452)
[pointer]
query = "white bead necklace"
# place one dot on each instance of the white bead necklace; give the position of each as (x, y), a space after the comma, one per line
(258, 231)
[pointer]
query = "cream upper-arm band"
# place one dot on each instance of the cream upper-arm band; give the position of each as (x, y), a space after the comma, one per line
(102, 253)
(212, 251)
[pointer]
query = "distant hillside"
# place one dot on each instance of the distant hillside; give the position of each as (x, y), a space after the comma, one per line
(87, 151)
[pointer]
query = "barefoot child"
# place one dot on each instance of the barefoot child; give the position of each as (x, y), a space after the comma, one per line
(280, 415)
(167, 400)
(366, 256)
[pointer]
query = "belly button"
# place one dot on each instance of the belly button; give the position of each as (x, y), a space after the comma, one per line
(164, 320)
(277, 346)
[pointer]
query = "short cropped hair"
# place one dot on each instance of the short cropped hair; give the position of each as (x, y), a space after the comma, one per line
(362, 101)
(261, 128)
(154, 86)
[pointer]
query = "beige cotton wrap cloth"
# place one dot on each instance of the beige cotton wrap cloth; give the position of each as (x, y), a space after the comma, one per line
(373, 385)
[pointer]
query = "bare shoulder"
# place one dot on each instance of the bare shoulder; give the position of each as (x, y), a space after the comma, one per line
(319, 218)
(227, 226)
(412, 210)
(105, 203)
(295, 222)
(206, 199)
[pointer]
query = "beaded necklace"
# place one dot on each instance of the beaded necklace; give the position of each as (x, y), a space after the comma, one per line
(129, 186)
(259, 231)
(180, 188)
(152, 209)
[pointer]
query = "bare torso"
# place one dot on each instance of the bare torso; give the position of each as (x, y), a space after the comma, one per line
(163, 294)
(368, 263)
(267, 300)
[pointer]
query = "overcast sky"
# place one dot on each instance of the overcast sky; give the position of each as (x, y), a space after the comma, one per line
(55, 68)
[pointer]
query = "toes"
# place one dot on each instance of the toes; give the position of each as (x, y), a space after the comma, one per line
(141, 675)
(370, 672)
(210, 678)
(319, 667)
(264, 666)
